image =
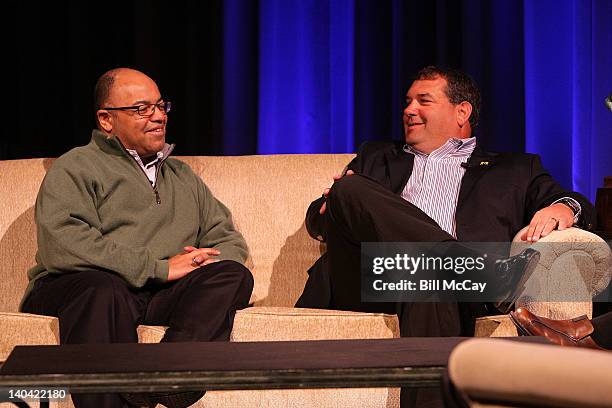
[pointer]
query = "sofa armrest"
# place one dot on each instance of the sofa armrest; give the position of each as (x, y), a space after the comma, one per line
(514, 374)
(25, 329)
(574, 266)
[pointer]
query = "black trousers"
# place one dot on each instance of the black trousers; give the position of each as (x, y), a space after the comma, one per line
(602, 333)
(361, 210)
(100, 307)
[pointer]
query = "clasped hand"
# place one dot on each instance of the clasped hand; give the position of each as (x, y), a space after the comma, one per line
(188, 261)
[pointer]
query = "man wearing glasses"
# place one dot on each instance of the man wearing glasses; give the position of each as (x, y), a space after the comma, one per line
(129, 236)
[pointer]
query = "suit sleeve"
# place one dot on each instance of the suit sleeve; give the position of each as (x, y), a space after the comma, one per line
(543, 190)
(315, 222)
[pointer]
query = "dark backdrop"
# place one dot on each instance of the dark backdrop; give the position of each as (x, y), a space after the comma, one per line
(60, 49)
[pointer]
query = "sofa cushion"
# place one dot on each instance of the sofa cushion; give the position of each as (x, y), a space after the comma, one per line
(320, 398)
(19, 184)
(27, 330)
(268, 196)
(495, 326)
(150, 334)
(284, 324)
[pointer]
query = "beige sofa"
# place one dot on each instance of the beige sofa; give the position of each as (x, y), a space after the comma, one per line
(268, 196)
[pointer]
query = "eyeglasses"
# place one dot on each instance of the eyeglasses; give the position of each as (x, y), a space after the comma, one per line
(148, 109)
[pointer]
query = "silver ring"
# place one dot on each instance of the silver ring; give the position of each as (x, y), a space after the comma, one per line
(194, 262)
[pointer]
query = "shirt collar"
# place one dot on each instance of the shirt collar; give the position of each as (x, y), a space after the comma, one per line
(135, 155)
(452, 147)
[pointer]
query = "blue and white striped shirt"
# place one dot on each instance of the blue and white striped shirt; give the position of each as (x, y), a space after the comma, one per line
(436, 180)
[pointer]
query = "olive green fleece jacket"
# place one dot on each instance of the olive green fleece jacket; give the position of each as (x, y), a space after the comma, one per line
(96, 210)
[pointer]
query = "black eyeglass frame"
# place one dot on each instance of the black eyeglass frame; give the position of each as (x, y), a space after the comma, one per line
(164, 106)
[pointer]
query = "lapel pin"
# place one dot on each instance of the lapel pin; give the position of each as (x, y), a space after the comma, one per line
(484, 163)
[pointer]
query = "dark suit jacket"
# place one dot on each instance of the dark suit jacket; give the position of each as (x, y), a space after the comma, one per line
(499, 194)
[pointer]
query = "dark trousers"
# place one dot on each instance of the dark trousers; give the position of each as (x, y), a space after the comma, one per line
(100, 307)
(602, 333)
(361, 210)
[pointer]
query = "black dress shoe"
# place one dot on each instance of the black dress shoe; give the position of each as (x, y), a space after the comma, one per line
(511, 275)
(177, 399)
(138, 399)
(182, 399)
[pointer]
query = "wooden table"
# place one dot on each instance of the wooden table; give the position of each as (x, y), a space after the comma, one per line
(104, 368)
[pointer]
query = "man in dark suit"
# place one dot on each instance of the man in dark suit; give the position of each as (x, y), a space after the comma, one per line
(436, 186)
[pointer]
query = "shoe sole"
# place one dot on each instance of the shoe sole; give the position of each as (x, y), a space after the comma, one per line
(520, 286)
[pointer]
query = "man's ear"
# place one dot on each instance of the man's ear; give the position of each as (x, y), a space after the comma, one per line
(464, 111)
(105, 120)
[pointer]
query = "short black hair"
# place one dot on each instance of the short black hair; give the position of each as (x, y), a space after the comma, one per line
(460, 87)
(103, 88)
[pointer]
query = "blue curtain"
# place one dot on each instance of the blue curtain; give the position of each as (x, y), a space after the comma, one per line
(316, 76)
(568, 74)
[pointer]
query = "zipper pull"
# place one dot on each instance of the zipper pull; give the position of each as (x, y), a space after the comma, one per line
(157, 197)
